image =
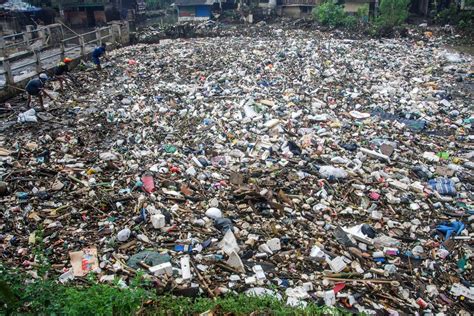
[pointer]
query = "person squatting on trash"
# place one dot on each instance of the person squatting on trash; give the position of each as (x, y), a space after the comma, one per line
(97, 53)
(35, 87)
(61, 72)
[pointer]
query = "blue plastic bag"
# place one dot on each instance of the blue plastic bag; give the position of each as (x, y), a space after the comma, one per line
(450, 228)
(443, 186)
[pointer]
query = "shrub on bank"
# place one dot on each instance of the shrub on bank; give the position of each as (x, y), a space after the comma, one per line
(464, 19)
(332, 15)
(392, 13)
(329, 14)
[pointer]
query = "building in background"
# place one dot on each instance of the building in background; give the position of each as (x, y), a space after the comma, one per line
(297, 8)
(92, 13)
(194, 10)
(15, 15)
(82, 12)
(352, 6)
(303, 8)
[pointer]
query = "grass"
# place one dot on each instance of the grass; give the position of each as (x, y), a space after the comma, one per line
(19, 294)
(238, 305)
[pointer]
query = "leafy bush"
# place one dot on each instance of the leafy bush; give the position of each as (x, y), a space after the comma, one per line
(454, 16)
(363, 13)
(333, 15)
(329, 14)
(392, 13)
(350, 21)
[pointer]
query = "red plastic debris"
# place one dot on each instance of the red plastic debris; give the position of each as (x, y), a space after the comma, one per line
(148, 183)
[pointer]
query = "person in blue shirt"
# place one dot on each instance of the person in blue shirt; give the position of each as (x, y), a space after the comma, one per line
(97, 53)
(36, 87)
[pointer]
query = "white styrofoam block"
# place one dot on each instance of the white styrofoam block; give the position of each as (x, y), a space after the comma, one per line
(158, 221)
(185, 268)
(163, 268)
(274, 244)
(259, 273)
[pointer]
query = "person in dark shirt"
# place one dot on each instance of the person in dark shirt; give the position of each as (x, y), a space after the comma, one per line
(36, 87)
(61, 70)
(97, 53)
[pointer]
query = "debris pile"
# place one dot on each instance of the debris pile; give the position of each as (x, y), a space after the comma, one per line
(152, 34)
(295, 165)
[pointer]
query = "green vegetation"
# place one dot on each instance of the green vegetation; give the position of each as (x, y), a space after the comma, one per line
(463, 19)
(363, 13)
(333, 15)
(19, 294)
(240, 305)
(43, 296)
(158, 4)
(329, 14)
(392, 13)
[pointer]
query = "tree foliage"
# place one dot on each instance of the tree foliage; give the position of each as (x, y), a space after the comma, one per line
(393, 12)
(329, 14)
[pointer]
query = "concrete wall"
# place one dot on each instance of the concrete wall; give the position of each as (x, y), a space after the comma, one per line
(292, 12)
(295, 11)
(79, 18)
(99, 17)
(353, 6)
(8, 26)
(76, 17)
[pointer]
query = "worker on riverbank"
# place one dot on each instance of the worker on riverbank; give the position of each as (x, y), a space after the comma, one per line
(97, 53)
(61, 72)
(35, 87)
